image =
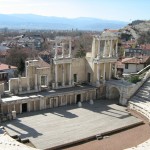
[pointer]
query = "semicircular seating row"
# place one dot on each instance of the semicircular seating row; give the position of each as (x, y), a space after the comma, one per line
(140, 102)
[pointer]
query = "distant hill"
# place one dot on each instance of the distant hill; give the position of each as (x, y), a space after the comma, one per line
(137, 28)
(30, 21)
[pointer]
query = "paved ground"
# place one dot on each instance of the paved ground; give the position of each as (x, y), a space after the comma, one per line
(119, 141)
(61, 125)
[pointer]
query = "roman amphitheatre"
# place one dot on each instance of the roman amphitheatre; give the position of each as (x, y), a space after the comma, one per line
(76, 103)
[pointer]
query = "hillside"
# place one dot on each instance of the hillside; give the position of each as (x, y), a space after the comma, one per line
(30, 21)
(136, 28)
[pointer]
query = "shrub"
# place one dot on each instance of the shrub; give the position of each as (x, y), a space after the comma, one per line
(134, 79)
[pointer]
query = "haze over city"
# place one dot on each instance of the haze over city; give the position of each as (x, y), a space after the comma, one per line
(126, 10)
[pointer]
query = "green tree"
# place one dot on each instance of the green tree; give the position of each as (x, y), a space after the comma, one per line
(81, 52)
(21, 66)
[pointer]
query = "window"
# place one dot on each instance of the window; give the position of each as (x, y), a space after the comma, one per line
(44, 80)
(126, 66)
(75, 77)
(89, 77)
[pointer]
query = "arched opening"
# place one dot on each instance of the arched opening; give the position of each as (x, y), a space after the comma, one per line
(114, 94)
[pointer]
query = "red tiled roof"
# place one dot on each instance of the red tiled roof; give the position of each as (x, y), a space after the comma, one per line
(145, 46)
(119, 64)
(136, 60)
(6, 67)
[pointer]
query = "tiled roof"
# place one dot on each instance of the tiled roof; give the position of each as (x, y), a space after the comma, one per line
(145, 46)
(136, 60)
(6, 67)
(119, 64)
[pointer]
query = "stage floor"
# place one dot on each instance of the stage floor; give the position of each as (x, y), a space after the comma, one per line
(58, 126)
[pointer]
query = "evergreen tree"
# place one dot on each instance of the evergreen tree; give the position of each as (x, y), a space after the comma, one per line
(21, 66)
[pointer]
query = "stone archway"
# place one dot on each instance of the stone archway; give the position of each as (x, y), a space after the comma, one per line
(114, 94)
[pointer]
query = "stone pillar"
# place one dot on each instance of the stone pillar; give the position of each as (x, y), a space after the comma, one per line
(117, 48)
(62, 50)
(110, 53)
(34, 105)
(63, 72)
(104, 72)
(8, 108)
(110, 70)
(69, 55)
(87, 96)
(28, 84)
(49, 103)
(36, 88)
(98, 51)
(19, 83)
(66, 99)
(55, 50)
(20, 108)
(104, 51)
(115, 70)
(70, 76)
(14, 107)
(98, 76)
(75, 98)
(29, 106)
(56, 78)
(61, 100)
(70, 99)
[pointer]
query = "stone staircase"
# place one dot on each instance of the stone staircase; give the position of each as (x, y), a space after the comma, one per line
(140, 102)
(7, 94)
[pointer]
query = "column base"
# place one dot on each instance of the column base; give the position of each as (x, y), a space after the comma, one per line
(91, 102)
(28, 88)
(79, 104)
(36, 88)
(20, 89)
(56, 85)
(97, 83)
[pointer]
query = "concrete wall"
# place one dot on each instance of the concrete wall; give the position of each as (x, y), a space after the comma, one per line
(78, 67)
(133, 68)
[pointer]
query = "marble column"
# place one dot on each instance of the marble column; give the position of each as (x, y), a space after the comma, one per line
(104, 70)
(98, 51)
(14, 107)
(69, 55)
(117, 48)
(115, 70)
(70, 75)
(36, 88)
(55, 50)
(110, 70)
(20, 108)
(34, 105)
(8, 108)
(29, 106)
(63, 72)
(28, 84)
(75, 98)
(110, 53)
(62, 50)
(104, 51)
(56, 78)
(87, 96)
(98, 76)
(19, 82)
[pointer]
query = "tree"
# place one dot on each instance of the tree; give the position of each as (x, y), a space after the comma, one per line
(81, 52)
(21, 66)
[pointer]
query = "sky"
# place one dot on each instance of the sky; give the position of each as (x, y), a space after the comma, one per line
(123, 10)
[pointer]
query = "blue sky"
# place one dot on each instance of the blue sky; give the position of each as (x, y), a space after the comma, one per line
(124, 10)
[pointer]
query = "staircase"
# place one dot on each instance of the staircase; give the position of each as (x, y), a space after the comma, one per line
(141, 100)
(7, 94)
